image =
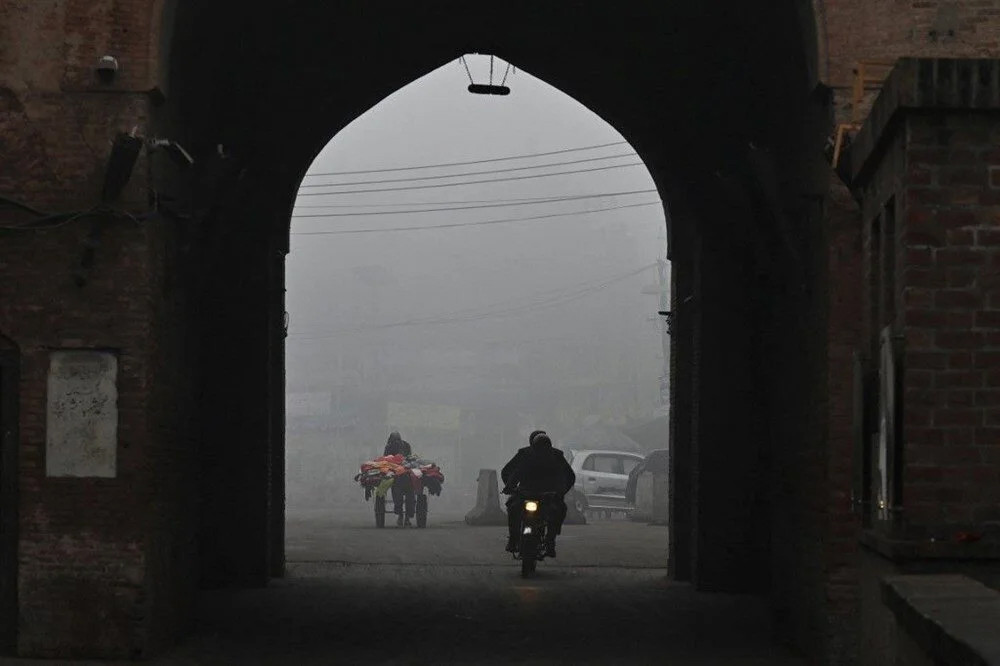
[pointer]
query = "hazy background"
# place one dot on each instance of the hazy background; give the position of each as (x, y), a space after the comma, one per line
(467, 338)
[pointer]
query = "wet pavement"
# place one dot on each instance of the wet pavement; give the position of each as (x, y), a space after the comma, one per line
(448, 595)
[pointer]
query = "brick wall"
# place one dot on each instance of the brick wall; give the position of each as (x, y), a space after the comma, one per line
(844, 280)
(82, 543)
(851, 31)
(950, 283)
(929, 154)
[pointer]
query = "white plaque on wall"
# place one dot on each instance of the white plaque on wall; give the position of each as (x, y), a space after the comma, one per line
(82, 414)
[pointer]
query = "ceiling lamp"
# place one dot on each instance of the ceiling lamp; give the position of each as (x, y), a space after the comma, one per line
(487, 88)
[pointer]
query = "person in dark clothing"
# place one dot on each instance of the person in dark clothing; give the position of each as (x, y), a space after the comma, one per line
(539, 467)
(402, 490)
(396, 445)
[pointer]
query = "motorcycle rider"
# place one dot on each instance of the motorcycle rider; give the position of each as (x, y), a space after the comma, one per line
(538, 467)
(402, 489)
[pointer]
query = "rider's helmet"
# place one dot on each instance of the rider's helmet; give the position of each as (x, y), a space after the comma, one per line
(540, 441)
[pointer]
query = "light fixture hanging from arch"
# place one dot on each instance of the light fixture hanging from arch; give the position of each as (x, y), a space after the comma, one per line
(487, 88)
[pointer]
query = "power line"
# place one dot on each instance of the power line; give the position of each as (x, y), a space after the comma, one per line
(471, 182)
(482, 161)
(544, 303)
(470, 224)
(495, 205)
(471, 173)
(457, 202)
(545, 296)
(477, 314)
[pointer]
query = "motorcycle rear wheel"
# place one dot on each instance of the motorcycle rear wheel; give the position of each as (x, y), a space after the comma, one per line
(529, 548)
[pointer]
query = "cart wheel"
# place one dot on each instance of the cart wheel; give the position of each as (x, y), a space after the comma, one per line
(421, 510)
(379, 511)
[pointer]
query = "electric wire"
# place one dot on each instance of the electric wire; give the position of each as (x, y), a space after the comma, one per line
(57, 220)
(470, 173)
(456, 208)
(15, 203)
(481, 161)
(539, 297)
(478, 314)
(524, 200)
(471, 182)
(451, 225)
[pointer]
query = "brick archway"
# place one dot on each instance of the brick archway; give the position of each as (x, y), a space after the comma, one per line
(720, 134)
(712, 95)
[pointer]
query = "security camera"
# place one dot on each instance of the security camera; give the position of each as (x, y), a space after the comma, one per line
(107, 68)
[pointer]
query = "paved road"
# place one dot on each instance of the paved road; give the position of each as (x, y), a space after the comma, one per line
(352, 537)
(448, 595)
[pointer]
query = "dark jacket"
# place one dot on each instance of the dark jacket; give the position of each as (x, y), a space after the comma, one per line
(541, 469)
(397, 445)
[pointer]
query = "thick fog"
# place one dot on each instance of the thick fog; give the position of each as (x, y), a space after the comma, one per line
(468, 336)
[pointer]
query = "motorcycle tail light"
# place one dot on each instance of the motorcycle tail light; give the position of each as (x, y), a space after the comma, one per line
(531, 506)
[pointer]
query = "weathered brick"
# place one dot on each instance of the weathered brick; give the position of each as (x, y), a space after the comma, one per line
(957, 299)
(955, 416)
(955, 256)
(959, 339)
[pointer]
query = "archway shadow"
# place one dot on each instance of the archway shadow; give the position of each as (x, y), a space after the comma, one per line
(378, 614)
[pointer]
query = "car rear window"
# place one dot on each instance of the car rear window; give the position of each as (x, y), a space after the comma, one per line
(607, 464)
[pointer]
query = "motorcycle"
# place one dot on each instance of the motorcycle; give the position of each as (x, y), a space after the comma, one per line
(534, 524)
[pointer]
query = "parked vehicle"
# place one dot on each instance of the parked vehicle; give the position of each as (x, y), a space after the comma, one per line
(602, 477)
(656, 461)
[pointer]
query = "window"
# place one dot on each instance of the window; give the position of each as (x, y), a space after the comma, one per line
(628, 464)
(607, 464)
(588, 464)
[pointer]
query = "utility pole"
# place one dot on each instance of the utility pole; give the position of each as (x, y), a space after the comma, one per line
(662, 271)
(662, 291)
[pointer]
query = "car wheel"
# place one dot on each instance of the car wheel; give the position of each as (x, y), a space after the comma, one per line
(577, 508)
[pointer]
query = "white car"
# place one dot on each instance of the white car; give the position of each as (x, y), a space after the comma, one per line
(601, 476)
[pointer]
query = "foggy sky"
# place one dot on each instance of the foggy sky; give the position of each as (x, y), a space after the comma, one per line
(574, 314)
